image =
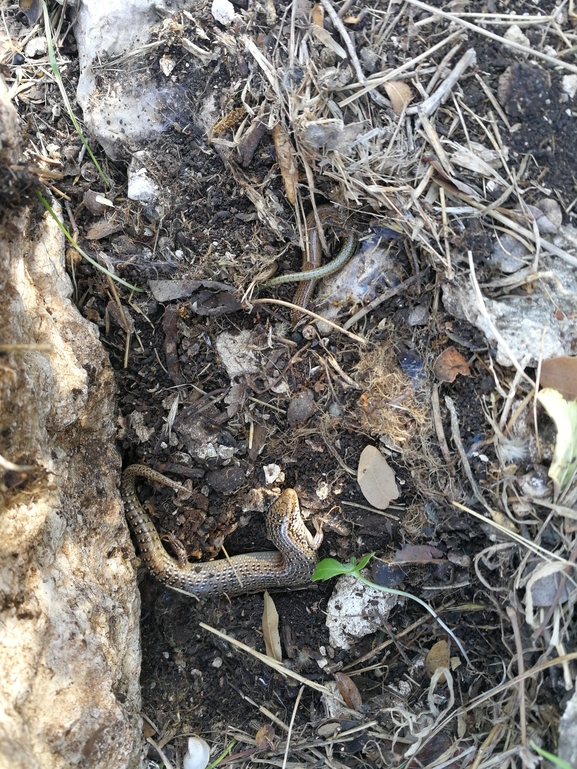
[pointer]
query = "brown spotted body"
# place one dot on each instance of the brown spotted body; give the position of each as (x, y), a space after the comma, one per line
(291, 566)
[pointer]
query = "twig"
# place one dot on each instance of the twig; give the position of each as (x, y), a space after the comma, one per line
(314, 315)
(380, 79)
(338, 24)
(503, 40)
(533, 546)
(292, 721)
(438, 422)
(456, 435)
(160, 752)
(512, 614)
(7, 465)
(468, 59)
(383, 298)
(268, 660)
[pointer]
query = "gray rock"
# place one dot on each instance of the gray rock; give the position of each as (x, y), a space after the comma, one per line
(301, 408)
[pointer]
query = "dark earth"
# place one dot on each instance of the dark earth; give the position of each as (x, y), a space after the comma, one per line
(192, 682)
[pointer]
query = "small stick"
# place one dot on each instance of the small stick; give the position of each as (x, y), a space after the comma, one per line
(292, 721)
(468, 59)
(512, 614)
(314, 315)
(383, 298)
(456, 434)
(503, 40)
(438, 422)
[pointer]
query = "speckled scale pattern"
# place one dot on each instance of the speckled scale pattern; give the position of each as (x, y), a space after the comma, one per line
(291, 566)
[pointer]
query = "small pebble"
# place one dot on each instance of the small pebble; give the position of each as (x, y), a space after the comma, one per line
(36, 47)
(309, 332)
(335, 410)
(223, 11)
(419, 315)
(509, 255)
(301, 408)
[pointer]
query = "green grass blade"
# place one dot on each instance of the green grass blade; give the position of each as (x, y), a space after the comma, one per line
(58, 78)
(69, 237)
(551, 757)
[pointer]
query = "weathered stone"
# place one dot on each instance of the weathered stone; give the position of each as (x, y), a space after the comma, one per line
(69, 607)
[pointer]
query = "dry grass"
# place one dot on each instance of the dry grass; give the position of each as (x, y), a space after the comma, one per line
(349, 143)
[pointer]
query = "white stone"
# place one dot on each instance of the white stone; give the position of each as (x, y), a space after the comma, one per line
(521, 320)
(515, 35)
(38, 46)
(356, 610)
(569, 84)
(223, 11)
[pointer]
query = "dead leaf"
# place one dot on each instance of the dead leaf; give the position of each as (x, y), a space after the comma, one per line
(376, 478)
(439, 656)
(418, 554)
(349, 691)
(270, 629)
(121, 317)
(285, 155)
(147, 729)
(103, 229)
(324, 37)
(169, 290)
(450, 364)
(560, 374)
(318, 15)
(399, 93)
(264, 738)
(247, 146)
(451, 184)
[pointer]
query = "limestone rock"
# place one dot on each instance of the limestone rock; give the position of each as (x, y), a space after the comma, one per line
(69, 606)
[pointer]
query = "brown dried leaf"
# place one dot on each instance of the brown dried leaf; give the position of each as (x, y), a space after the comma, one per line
(324, 37)
(318, 15)
(285, 155)
(264, 738)
(103, 229)
(560, 374)
(418, 554)
(349, 691)
(451, 184)
(399, 93)
(270, 629)
(450, 364)
(376, 478)
(439, 656)
(121, 317)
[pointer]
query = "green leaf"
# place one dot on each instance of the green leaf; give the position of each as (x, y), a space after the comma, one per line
(564, 414)
(65, 99)
(329, 568)
(551, 757)
(364, 560)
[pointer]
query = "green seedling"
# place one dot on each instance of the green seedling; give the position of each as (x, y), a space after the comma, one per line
(330, 567)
